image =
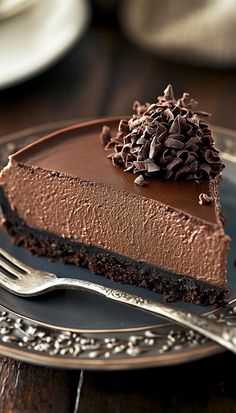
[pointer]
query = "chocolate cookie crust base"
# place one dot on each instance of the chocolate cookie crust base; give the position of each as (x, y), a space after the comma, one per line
(116, 267)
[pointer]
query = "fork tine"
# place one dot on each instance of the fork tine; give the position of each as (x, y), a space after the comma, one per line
(5, 280)
(13, 260)
(10, 268)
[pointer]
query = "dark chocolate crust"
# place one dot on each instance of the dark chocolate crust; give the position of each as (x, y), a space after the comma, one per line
(114, 266)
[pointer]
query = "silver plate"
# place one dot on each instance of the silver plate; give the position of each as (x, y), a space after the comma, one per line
(79, 330)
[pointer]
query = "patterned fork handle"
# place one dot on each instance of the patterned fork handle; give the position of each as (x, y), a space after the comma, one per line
(219, 332)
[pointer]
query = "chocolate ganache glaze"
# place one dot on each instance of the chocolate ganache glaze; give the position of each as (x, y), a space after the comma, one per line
(62, 197)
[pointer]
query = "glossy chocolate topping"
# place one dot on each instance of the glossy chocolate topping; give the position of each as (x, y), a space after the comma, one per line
(78, 152)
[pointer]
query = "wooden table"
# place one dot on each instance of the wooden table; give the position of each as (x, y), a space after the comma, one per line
(102, 75)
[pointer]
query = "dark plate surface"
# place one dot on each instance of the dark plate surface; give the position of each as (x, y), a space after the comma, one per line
(90, 314)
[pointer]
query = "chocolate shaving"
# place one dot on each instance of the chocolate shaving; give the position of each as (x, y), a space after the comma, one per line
(168, 93)
(139, 180)
(105, 135)
(174, 143)
(167, 139)
(205, 199)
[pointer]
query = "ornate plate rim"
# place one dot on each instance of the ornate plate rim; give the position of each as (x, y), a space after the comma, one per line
(160, 359)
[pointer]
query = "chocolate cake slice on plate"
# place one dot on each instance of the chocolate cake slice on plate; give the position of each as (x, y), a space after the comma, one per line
(136, 200)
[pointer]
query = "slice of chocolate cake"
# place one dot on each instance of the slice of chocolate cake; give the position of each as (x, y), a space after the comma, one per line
(149, 215)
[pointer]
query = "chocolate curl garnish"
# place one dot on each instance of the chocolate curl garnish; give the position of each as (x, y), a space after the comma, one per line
(168, 93)
(139, 180)
(105, 135)
(205, 199)
(187, 102)
(166, 139)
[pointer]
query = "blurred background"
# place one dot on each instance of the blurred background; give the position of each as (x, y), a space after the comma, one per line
(76, 59)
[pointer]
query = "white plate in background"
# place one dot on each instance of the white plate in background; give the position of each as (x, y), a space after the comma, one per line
(11, 7)
(36, 38)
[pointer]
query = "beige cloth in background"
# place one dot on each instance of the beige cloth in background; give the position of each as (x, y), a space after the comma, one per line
(200, 32)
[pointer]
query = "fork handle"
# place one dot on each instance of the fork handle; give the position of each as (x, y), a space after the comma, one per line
(221, 333)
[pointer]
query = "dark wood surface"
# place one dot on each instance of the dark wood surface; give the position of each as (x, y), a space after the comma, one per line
(102, 75)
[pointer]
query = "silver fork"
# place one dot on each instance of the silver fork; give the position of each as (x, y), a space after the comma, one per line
(23, 280)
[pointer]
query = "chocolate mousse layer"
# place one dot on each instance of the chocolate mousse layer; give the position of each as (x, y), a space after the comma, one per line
(62, 197)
